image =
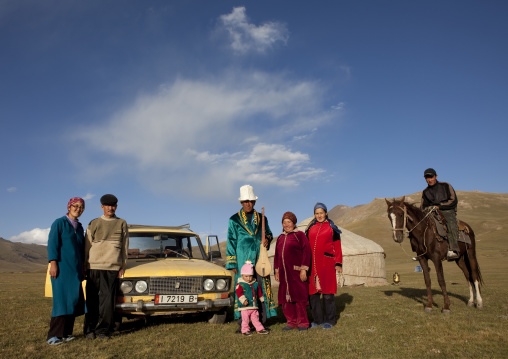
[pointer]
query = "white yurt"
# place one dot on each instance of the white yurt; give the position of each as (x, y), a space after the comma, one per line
(363, 259)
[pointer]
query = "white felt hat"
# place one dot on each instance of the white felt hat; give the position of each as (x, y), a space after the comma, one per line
(247, 193)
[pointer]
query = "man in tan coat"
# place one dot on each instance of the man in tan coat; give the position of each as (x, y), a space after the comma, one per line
(106, 244)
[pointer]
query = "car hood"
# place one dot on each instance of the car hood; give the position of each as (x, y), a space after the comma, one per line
(172, 267)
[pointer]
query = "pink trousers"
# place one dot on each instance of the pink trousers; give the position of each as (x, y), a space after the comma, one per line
(251, 315)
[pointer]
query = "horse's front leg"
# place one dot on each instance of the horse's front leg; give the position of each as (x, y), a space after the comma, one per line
(440, 278)
(426, 275)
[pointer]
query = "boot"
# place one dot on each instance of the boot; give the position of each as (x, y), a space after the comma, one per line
(451, 255)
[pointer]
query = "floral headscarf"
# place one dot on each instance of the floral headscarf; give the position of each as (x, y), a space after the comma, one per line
(75, 200)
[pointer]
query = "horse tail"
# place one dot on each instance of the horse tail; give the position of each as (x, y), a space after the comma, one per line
(477, 268)
(468, 260)
(480, 278)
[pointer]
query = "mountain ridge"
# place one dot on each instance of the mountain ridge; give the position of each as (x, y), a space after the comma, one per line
(486, 213)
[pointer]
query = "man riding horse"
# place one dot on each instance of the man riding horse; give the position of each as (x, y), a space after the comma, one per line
(441, 195)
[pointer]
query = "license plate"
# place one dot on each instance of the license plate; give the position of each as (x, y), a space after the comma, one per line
(176, 299)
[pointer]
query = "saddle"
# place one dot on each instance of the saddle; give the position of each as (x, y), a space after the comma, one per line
(441, 230)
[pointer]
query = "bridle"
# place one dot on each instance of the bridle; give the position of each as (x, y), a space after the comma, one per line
(406, 216)
(404, 227)
(404, 222)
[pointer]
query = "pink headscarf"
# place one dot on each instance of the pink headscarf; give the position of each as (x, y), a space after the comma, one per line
(75, 200)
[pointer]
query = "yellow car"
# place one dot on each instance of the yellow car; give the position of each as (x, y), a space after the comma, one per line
(168, 272)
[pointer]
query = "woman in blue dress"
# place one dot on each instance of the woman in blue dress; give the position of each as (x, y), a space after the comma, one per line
(65, 255)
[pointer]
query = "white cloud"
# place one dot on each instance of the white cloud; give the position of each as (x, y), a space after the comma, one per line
(339, 106)
(203, 138)
(247, 37)
(303, 137)
(36, 236)
(273, 155)
(250, 140)
(88, 196)
(12, 189)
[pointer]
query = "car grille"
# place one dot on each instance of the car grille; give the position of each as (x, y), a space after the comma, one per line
(176, 285)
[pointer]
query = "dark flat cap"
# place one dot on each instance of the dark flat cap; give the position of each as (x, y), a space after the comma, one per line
(109, 200)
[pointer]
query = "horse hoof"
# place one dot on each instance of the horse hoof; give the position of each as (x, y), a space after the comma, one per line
(470, 304)
(428, 310)
(446, 311)
(479, 306)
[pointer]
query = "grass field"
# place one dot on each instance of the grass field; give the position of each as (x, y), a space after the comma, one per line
(376, 322)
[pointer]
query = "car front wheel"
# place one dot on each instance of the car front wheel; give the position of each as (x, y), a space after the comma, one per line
(117, 323)
(218, 317)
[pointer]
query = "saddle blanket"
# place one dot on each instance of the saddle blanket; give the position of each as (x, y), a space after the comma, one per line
(464, 237)
(463, 231)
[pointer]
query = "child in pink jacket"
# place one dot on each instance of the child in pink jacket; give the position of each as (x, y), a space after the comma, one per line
(248, 292)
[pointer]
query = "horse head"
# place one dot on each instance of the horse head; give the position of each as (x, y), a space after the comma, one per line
(397, 214)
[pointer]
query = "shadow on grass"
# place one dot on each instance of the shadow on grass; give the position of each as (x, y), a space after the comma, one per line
(341, 301)
(135, 324)
(132, 325)
(420, 295)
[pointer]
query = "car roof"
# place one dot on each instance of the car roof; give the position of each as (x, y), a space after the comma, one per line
(185, 228)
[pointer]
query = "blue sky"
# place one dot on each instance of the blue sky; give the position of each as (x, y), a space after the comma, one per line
(172, 106)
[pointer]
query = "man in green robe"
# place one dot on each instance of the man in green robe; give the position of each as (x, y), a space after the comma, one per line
(244, 241)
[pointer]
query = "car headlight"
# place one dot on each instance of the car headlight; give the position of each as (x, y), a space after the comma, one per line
(208, 284)
(221, 284)
(126, 287)
(141, 286)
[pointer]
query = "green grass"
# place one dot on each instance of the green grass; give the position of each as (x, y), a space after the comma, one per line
(376, 322)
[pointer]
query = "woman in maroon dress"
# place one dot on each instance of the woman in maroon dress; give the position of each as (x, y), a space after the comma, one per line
(291, 263)
(325, 245)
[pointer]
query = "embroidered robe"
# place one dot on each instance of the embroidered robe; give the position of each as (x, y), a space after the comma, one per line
(244, 241)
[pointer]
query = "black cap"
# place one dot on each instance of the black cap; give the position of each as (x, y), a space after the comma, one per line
(429, 172)
(109, 200)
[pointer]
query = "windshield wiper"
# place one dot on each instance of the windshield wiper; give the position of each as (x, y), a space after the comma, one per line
(177, 253)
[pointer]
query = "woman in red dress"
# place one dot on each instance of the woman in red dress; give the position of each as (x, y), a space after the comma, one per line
(291, 263)
(325, 245)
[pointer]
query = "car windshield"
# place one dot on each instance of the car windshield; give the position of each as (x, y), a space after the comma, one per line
(164, 245)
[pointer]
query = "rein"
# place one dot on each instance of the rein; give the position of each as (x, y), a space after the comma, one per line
(404, 229)
(406, 216)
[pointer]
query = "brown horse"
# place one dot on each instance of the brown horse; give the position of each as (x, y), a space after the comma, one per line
(421, 229)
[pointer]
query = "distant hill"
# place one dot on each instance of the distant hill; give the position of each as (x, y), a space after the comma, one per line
(487, 213)
(21, 257)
